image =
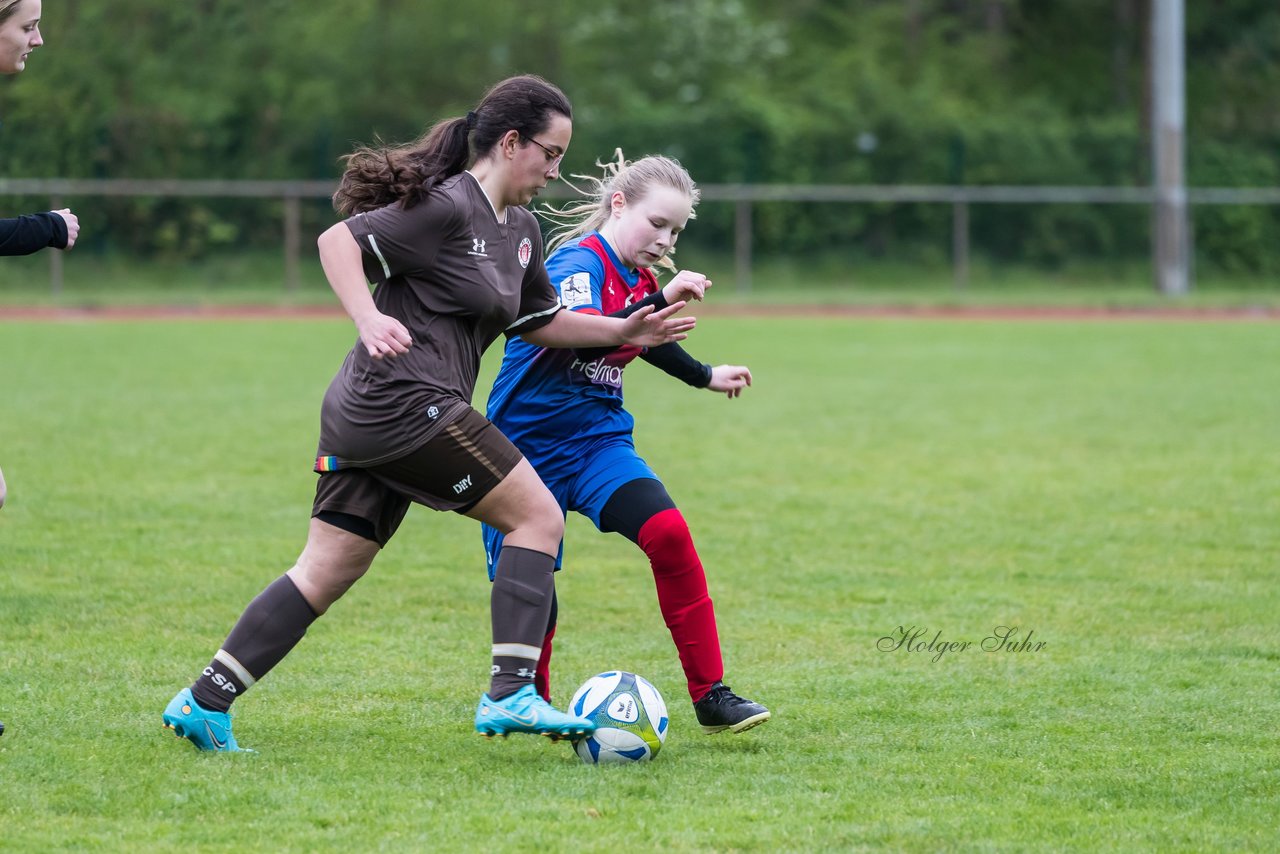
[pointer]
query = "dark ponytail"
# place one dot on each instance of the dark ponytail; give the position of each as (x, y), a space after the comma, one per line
(377, 177)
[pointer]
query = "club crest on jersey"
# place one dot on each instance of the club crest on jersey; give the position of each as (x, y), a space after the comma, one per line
(575, 290)
(525, 252)
(477, 248)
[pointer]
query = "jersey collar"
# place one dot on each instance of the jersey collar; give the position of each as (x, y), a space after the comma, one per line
(492, 209)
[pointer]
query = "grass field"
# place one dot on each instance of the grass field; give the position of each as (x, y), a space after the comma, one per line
(1108, 489)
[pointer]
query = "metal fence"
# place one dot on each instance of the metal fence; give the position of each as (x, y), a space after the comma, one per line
(742, 196)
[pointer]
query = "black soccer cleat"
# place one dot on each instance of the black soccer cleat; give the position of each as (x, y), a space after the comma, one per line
(722, 709)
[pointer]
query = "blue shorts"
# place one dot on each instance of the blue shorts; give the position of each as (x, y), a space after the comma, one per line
(586, 491)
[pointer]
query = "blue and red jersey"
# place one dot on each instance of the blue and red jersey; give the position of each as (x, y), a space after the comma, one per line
(555, 404)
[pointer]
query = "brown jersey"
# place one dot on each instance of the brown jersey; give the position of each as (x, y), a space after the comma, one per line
(457, 279)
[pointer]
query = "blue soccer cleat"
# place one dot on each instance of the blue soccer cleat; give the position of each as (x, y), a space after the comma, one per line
(205, 729)
(525, 711)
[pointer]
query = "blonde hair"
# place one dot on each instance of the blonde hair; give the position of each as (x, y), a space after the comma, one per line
(633, 180)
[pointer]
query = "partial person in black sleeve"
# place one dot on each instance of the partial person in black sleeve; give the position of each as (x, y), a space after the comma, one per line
(19, 36)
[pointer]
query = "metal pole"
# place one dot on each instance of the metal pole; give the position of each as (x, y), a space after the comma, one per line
(960, 243)
(1170, 247)
(292, 241)
(742, 245)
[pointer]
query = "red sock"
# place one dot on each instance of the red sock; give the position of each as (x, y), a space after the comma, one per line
(542, 677)
(683, 598)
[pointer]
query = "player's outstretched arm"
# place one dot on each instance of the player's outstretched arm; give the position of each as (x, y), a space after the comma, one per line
(644, 328)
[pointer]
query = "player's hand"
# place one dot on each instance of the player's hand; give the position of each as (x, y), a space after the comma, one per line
(649, 328)
(383, 335)
(687, 285)
(73, 226)
(729, 379)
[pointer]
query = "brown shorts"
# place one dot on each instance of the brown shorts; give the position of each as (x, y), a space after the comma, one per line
(453, 471)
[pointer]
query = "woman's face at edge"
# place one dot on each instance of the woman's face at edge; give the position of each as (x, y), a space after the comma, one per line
(19, 35)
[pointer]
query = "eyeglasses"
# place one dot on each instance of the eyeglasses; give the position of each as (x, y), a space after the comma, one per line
(553, 159)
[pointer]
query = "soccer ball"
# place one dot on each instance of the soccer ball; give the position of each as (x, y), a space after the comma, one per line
(629, 714)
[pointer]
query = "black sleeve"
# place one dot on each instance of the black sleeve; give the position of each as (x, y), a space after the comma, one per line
(31, 233)
(657, 300)
(673, 359)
